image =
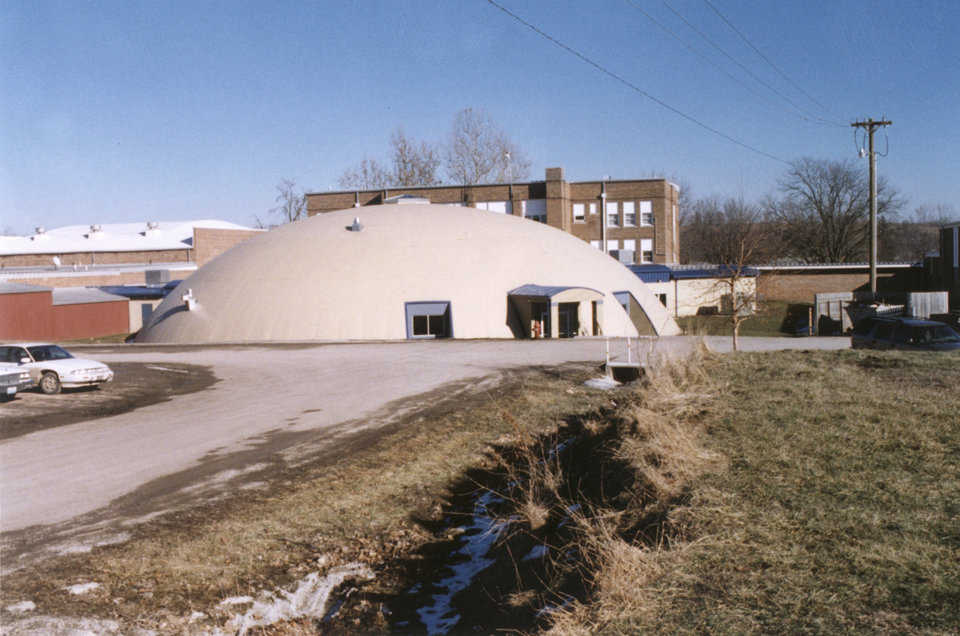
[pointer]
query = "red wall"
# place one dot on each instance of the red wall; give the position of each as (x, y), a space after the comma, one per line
(33, 316)
(26, 316)
(90, 320)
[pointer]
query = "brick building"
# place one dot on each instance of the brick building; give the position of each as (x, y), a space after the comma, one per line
(114, 254)
(636, 220)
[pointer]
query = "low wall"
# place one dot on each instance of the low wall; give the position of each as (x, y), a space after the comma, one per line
(90, 320)
(801, 286)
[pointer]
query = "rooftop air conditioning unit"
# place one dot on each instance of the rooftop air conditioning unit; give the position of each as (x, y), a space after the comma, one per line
(157, 276)
(623, 256)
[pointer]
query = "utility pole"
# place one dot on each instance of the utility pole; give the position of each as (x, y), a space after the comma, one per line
(870, 125)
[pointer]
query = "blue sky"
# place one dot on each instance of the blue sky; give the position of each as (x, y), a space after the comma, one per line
(126, 111)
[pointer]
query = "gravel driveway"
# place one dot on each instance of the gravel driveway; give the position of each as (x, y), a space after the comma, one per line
(269, 400)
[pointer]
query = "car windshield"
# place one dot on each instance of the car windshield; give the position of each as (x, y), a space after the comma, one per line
(943, 334)
(42, 353)
(931, 335)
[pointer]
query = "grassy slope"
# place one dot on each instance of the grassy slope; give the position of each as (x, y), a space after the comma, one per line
(765, 322)
(830, 502)
(839, 508)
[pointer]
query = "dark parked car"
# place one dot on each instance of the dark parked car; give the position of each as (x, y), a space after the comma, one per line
(904, 333)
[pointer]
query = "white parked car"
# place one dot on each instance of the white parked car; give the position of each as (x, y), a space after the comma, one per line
(52, 367)
(12, 379)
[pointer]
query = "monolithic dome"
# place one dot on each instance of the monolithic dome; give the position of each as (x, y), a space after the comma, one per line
(408, 271)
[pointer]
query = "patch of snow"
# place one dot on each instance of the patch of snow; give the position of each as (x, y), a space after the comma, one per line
(145, 518)
(538, 552)
(224, 476)
(556, 607)
(476, 540)
(21, 607)
(604, 383)
(46, 625)
(122, 537)
(196, 616)
(82, 588)
(159, 368)
(237, 600)
(309, 599)
(253, 484)
(76, 548)
(83, 548)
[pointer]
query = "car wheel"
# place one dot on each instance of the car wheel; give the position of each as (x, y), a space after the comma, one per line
(50, 383)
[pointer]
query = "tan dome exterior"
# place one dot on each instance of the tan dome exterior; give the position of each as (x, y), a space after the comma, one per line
(316, 280)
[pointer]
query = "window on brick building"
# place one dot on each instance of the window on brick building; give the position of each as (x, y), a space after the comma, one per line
(578, 213)
(500, 207)
(613, 244)
(646, 213)
(646, 250)
(596, 244)
(629, 214)
(535, 209)
(593, 208)
(613, 214)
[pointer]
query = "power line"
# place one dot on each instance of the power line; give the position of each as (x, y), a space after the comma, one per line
(747, 70)
(630, 84)
(764, 57)
(710, 61)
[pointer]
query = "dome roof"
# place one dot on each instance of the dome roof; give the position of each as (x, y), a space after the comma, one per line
(321, 279)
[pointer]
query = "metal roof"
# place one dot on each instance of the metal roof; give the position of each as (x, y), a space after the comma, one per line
(544, 291)
(825, 266)
(20, 288)
(82, 295)
(651, 273)
(141, 292)
(720, 271)
(654, 273)
(112, 237)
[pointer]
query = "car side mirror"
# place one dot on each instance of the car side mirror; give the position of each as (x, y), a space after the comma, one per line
(24, 360)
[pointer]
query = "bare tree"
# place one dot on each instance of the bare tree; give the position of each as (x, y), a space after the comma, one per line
(367, 175)
(414, 164)
(825, 210)
(291, 204)
(916, 236)
(739, 238)
(480, 152)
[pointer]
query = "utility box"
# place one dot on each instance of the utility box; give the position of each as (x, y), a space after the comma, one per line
(924, 304)
(156, 276)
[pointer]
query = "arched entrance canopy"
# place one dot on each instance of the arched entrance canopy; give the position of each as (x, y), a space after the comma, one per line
(555, 311)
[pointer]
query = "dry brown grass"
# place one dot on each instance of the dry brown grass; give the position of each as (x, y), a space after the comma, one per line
(834, 511)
